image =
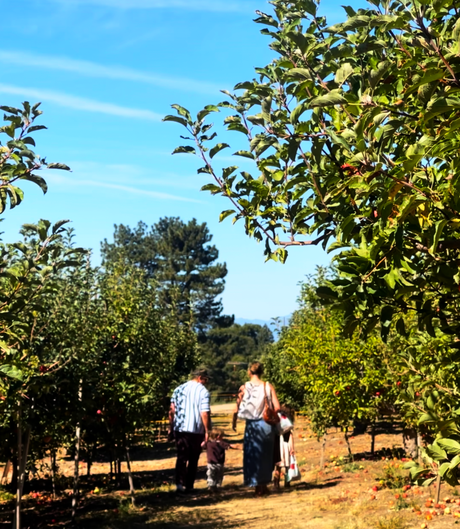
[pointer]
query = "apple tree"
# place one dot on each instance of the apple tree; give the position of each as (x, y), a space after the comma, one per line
(335, 380)
(353, 132)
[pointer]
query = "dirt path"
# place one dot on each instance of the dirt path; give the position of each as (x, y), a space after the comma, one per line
(339, 497)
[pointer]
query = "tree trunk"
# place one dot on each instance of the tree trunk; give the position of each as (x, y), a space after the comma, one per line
(6, 471)
(130, 477)
(23, 450)
(323, 446)
(25, 453)
(118, 470)
(373, 437)
(53, 472)
(17, 510)
(350, 453)
(438, 487)
(14, 475)
(77, 457)
(410, 442)
(419, 447)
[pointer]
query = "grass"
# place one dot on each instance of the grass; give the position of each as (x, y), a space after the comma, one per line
(392, 522)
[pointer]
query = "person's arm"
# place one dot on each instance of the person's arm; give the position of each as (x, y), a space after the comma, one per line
(206, 418)
(275, 401)
(291, 444)
(205, 412)
(171, 415)
(239, 398)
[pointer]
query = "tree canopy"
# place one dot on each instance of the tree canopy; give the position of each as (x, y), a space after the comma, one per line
(178, 256)
(353, 130)
(227, 351)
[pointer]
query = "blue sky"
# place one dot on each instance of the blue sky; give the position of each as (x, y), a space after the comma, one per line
(106, 72)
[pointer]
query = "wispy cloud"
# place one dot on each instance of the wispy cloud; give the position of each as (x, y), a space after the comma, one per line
(92, 69)
(76, 181)
(135, 175)
(79, 103)
(219, 6)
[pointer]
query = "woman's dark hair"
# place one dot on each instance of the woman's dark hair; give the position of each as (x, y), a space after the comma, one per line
(256, 368)
(288, 411)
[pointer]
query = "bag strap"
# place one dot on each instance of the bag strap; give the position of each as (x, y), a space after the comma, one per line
(267, 400)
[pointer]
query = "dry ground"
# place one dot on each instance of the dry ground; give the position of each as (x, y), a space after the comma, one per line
(340, 497)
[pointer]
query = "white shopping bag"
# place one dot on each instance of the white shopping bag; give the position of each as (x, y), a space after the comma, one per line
(293, 472)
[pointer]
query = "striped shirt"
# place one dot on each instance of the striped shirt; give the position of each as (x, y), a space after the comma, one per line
(190, 400)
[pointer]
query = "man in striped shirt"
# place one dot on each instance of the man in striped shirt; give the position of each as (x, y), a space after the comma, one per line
(189, 422)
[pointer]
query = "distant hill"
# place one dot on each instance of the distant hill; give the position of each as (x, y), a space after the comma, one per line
(284, 320)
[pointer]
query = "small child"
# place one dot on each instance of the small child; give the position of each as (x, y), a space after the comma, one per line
(215, 451)
(284, 448)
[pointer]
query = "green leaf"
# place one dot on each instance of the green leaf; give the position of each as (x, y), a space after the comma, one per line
(428, 482)
(443, 468)
(37, 180)
(433, 74)
(437, 234)
(185, 149)
(177, 119)
(245, 154)
(11, 371)
(455, 462)
(350, 25)
(61, 166)
(183, 112)
(298, 111)
(343, 73)
(226, 214)
(217, 148)
(449, 445)
(10, 110)
(301, 74)
(333, 98)
(57, 225)
(213, 188)
(227, 171)
(33, 128)
(207, 110)
(426, 418)
(436, 452)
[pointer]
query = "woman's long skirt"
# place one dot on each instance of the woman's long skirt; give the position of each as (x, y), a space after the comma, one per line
(259, 438)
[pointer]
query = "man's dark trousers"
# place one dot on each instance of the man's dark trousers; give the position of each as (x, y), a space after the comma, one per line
(188, 452)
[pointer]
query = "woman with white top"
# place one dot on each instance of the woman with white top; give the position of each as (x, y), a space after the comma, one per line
(259, 436)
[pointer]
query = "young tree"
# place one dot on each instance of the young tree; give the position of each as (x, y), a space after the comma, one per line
(179, 257)
(336, 380)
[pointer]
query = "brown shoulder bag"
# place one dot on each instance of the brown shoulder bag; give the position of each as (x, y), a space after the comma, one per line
(270, 416)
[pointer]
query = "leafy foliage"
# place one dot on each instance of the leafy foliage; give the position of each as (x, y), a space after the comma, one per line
(178, 256)
(229, 350)
(17, 159)
(334, 379)
(353, 130)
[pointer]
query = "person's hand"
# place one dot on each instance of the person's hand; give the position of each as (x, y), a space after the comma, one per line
(292, 452)
(203, 444)
(170, 435)
(206, 438)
